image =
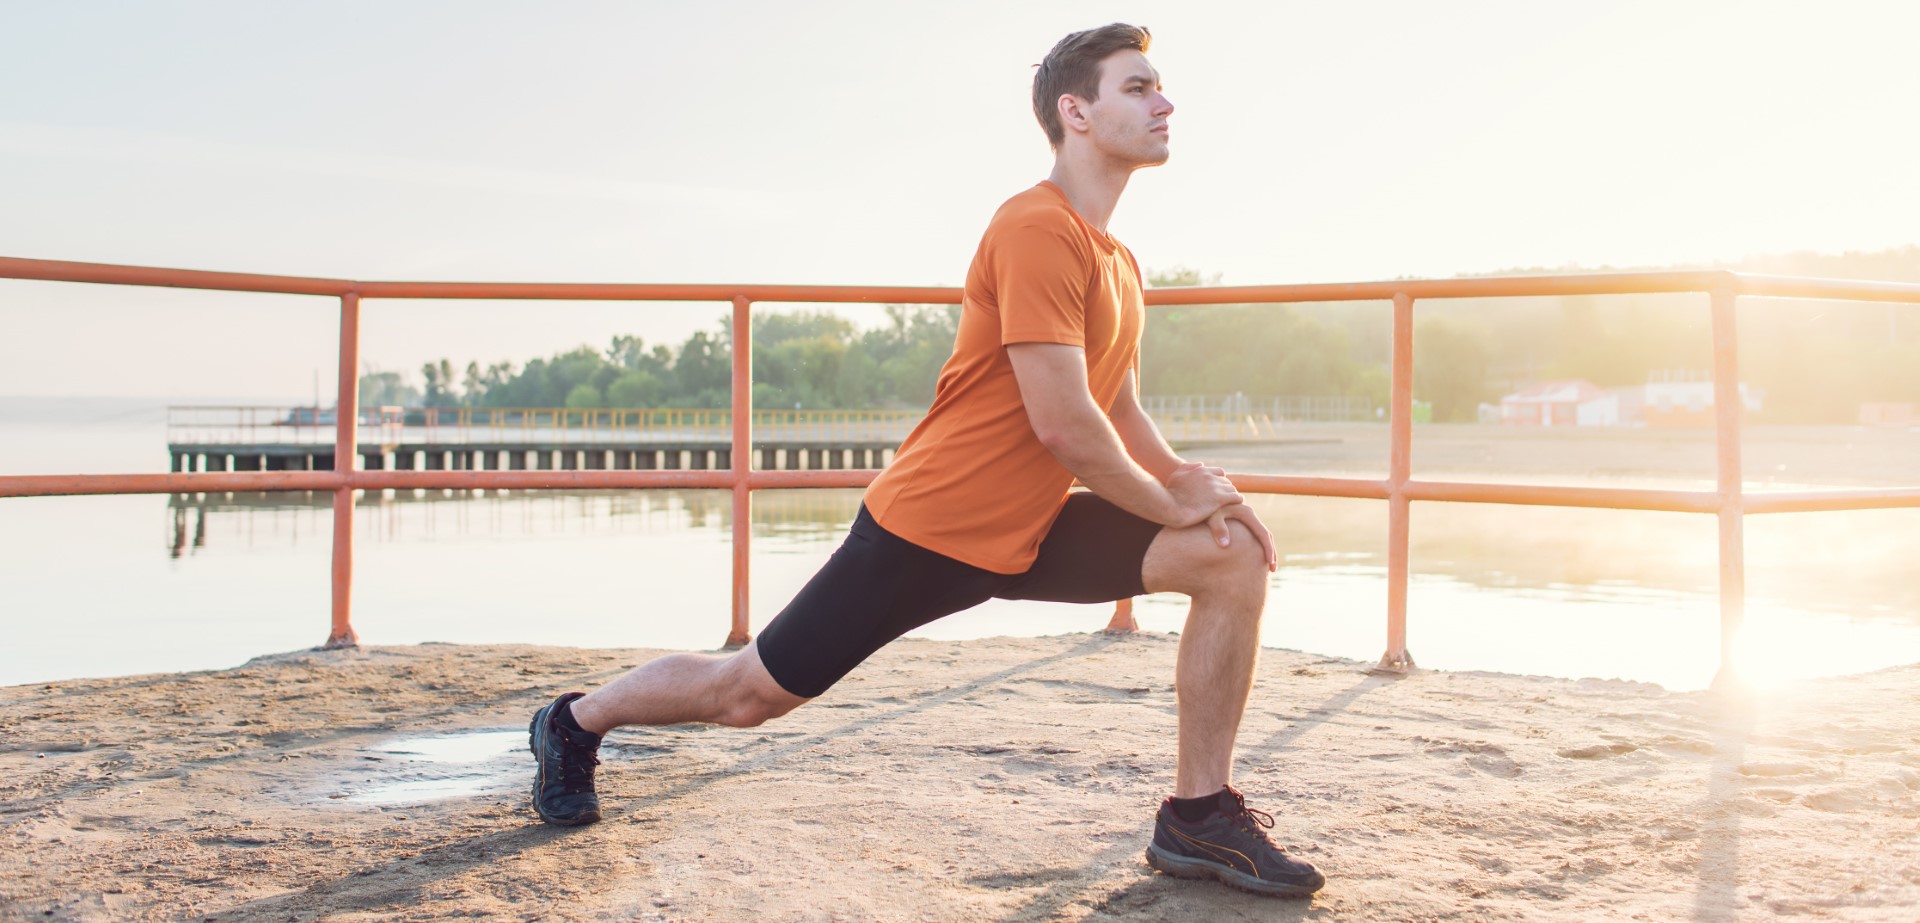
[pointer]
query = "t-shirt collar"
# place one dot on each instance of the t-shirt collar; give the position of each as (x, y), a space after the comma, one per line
(1106, 241)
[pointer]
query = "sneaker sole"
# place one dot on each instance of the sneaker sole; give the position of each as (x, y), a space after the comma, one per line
(1185, 867)
(533, 744)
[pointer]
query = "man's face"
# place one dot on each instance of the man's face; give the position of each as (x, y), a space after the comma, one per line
(1129, 118)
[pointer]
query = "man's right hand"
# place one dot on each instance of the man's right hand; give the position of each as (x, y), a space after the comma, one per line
(1198, 491)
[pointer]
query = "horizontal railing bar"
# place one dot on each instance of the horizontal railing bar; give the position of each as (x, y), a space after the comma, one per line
(845, 477)
(75, 485)
(1620, 498)
(1484, 287)
(1832, 501)
(715, 479)
(1678, 501)
(111, 274)
(1831, 289)
(1621, 283)
(1354, 488)
(593, 291)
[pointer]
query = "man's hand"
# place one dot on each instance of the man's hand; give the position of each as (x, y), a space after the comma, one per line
(1198, 491)
(1205, 495)
(1243, 514)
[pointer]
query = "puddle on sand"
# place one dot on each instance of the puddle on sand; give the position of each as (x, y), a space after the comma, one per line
(411, 770)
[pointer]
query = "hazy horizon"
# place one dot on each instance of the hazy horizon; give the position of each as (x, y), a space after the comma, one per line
(868, 143)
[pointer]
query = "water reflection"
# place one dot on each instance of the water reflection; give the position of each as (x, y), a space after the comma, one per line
(1842, 563)
(251, 519)
(1517, 589)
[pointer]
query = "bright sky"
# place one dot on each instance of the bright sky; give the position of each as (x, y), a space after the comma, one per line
(869, 143)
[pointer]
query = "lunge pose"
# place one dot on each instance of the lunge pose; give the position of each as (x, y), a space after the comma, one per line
(1040, 390)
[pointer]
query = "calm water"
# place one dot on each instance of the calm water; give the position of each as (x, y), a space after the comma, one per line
(95, 586)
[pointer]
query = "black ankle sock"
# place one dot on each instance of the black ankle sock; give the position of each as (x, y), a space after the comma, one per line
(1196, 809)
(563, 716)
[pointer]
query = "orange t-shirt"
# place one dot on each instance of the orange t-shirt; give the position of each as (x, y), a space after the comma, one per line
(972, 481)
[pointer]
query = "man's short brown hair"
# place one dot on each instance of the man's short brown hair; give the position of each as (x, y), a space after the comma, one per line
(1073, 68)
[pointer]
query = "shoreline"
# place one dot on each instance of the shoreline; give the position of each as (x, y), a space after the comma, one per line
(1002, 778)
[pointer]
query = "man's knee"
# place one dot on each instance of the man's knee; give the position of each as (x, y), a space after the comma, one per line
(1194, 563)
(748, 711)
(754, 697)
(1243, 552)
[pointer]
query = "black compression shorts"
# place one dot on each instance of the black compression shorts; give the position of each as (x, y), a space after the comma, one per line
(879, 586)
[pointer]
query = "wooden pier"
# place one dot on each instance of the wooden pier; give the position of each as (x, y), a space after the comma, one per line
(560, 439)
(570, 456)
(530, 439)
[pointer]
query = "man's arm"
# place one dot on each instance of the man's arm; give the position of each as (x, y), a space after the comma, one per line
(1060, 408)
(1142, 439)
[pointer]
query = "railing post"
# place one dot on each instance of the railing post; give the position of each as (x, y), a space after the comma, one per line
(346, 447)
(1727, 408)
(742, 466)
(1399, 467)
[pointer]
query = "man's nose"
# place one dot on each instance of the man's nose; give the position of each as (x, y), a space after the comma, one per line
(1165, 108)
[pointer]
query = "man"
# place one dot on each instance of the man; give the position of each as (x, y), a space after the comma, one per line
(1039, 391)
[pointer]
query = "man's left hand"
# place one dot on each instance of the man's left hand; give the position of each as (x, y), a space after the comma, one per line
(1243, 514)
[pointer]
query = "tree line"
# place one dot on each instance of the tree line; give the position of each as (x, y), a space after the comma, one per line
(805, 359)
(1815, 362)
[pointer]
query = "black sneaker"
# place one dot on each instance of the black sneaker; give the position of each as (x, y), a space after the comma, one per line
(1230, 845)
(563, 768)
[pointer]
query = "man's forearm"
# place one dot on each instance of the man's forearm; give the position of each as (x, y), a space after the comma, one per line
(1079, 434)
(1096, 454)
(1143, 441)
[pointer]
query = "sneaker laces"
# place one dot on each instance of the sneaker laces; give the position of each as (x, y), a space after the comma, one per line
(1243, 814)
(576, 764)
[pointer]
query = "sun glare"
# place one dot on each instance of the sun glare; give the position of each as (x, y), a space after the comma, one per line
(1777, 646)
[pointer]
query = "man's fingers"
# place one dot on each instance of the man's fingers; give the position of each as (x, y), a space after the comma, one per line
(1266, 541)
(1218, 523)
(1260, 531)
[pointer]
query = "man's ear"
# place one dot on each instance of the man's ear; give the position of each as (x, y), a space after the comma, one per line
(1071, 115)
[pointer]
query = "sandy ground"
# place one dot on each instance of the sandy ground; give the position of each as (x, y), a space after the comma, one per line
(1005, 779)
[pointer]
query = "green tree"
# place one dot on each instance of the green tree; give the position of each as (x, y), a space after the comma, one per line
(1450, 368)
(1262, 350)
(636, 389)
(800, 360)
(702, 373)
(631, 354)
(583, 397)
(386, 389)
(902, 360)
(1179, 277)
(439, 391)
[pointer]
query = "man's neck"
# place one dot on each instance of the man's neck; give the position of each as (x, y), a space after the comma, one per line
(1092, 185)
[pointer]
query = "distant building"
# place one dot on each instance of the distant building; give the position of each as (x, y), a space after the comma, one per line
(1561, 403)
(1633, 404)
(1684, 398)
(1679, 398)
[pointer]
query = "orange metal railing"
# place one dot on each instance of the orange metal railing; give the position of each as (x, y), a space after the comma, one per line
(1729, 502)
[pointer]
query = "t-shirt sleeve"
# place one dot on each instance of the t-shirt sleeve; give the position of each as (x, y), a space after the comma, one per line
(1040, 283)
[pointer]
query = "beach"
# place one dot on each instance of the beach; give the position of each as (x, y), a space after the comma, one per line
(995, 779)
